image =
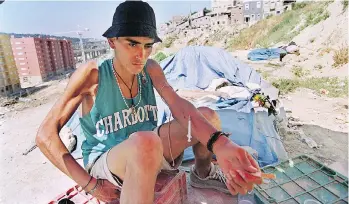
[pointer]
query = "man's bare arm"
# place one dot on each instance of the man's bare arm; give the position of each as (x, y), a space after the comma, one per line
(84, 81)
(180, 108)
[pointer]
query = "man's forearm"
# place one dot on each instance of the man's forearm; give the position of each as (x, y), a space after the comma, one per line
(53, 148)
(201, 129)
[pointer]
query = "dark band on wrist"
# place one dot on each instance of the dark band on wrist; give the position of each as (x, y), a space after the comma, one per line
(213, 138)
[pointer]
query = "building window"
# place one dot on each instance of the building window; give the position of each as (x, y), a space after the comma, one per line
(247, 19)
(25, 79)
(247, 6)
(258, 4)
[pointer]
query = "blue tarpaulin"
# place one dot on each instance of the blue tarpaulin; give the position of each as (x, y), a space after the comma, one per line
(194, 67)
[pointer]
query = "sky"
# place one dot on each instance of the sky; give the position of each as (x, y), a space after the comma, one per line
(57, 17)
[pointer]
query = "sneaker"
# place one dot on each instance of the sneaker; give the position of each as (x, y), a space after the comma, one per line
(215, 179)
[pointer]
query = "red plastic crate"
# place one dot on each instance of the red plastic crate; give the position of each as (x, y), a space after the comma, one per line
(77, 196)
(170, 188)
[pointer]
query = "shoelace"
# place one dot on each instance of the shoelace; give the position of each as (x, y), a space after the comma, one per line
(219, 175)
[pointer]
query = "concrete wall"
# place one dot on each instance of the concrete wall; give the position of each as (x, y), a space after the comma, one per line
(218, 21)
(237, 15)
(183, 25)
(201, 22)
(29, 81)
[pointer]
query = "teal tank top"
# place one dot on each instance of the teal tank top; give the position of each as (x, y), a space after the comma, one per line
(110, 121)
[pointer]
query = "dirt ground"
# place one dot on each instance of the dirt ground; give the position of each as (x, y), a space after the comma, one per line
(325, 121)
(28, 178)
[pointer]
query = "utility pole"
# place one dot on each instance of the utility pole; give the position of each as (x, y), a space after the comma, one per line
(82, 47)
(190, 16)
(81, 43)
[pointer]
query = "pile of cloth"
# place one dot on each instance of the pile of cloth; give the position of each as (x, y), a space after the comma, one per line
(273, 53)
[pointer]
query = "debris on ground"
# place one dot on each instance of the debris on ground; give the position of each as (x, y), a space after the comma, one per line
(68, 138)
(24, 99)
(324, 91)
(31, 148)
(7, 102)
(310, 142)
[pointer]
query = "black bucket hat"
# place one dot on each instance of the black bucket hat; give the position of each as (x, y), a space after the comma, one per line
(133, 18)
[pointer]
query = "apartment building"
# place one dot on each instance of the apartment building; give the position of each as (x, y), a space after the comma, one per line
(9, 80)
(253, 11)
(38, 59)
(226, 12)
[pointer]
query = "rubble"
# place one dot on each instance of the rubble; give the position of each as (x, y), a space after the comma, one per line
(310, 142)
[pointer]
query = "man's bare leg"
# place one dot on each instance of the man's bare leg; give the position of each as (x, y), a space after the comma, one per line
(137, 162)
(179, 142)
(203, 157)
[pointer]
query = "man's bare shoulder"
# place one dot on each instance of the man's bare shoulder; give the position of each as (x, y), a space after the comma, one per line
(88, 71)
(152, 64)
(85, 77)
(153, 68)
(156, 73)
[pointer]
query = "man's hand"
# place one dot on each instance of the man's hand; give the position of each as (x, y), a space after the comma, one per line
(237, 165)
(106, 191)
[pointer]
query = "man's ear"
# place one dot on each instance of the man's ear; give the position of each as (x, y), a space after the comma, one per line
(111, 42)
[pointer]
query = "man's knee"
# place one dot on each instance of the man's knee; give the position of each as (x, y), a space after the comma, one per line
(208, 113)
(147, 147)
